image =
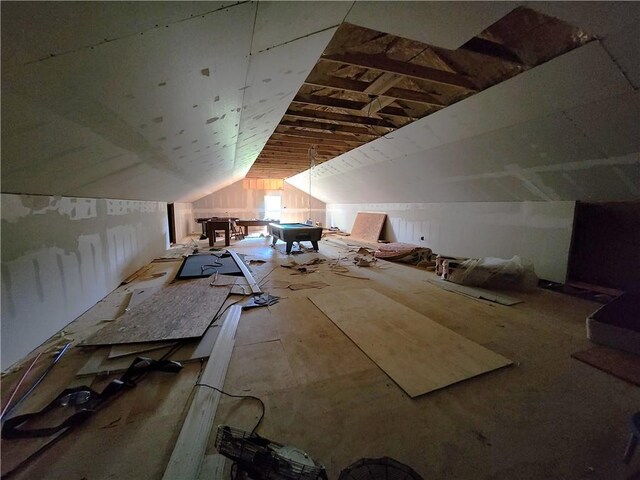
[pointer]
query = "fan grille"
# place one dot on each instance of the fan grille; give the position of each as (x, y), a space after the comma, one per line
(384, 468)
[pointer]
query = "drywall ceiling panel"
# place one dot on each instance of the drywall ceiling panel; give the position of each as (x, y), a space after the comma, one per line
(624, 48)
(611, 124)
(594, 184)
(40, 147)
(175, 107)
(278, 23)
(28, 36)
(443, 24)
(599, 18)
(584, 75)
(275, 76)
(549, 158)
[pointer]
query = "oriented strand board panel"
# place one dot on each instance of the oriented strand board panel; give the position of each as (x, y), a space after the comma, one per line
(183, 309)
(368, 226)
(419, 354)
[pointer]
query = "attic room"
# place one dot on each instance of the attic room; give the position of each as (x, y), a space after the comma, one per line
(295, 240)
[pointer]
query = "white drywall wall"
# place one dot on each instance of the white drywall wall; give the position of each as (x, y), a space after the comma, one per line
(61, 255)
(539, 231)
(237, 201)
(185, 221)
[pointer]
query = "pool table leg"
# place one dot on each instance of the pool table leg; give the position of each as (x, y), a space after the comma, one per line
(273, 241)
(315, 244)
(289, 245)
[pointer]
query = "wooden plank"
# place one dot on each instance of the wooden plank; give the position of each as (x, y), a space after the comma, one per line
(123, 350)
(306, 144)
(620, 364)
(284, 138)
(368, 226)
(329, 131)
(321, 150)
(183, 309)
(473, 292)
(339, 117)
(356, 106)
(255, 288)
(419, 354)
(357, 86)
(383, 83)
(188, 453)
(385, 64)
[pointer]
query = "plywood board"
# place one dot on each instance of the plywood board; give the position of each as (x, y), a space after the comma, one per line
(101, 363)
(620, 364)
(181, 310)
(122, 350)
(474, 292)
(419, 354)
(368, 226)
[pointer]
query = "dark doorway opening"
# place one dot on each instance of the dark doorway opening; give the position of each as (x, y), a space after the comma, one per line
(172, 223)
(605, 246)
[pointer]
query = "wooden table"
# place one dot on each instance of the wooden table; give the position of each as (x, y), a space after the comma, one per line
(254, 223)
(295, 232)
(218, 224)
(203, 223)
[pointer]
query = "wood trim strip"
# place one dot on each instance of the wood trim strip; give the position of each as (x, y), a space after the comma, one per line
(188, 453)
(245, 271)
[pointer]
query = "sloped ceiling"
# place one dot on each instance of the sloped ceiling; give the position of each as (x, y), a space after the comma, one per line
(566, 130)
(173, 100)
(163, 100)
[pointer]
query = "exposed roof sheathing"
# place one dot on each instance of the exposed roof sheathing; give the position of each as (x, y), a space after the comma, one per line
(367, 84)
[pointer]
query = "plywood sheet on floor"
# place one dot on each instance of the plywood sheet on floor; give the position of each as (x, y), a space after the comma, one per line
(419, 354)
(368, 226)
(620, 364)
(181, 310)
(259, 367)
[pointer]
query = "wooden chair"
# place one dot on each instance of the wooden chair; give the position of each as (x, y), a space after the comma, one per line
(236, 231)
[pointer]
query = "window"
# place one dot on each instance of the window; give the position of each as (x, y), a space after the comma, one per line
(272, 206)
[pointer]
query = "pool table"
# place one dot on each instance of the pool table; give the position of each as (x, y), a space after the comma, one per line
(295, 232)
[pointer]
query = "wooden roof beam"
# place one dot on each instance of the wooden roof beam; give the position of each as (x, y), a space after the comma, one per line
(385, 64)
(319, 147)
(291, 155)
(350, 104)
(298, 140)
(356, 86)
(340, 118)
(336, 131)
(302, 151)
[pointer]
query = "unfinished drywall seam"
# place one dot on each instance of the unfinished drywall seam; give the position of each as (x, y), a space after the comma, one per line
(60, 255)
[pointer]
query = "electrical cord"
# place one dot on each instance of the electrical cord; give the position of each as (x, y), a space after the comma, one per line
(213, 265)
(253, 431)
(217, 317)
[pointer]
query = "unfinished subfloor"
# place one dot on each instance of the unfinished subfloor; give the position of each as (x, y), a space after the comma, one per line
(548, 416)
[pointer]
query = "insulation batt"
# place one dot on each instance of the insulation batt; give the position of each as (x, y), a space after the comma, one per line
(496, 273)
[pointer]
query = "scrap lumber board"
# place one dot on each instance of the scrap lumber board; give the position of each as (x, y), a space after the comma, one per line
(188, 453)
(101, 364)
(620, 364)
(122, 350)
(246, 272)
(180, 310)
(418, 354)
(475, 292)
(368, 226)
